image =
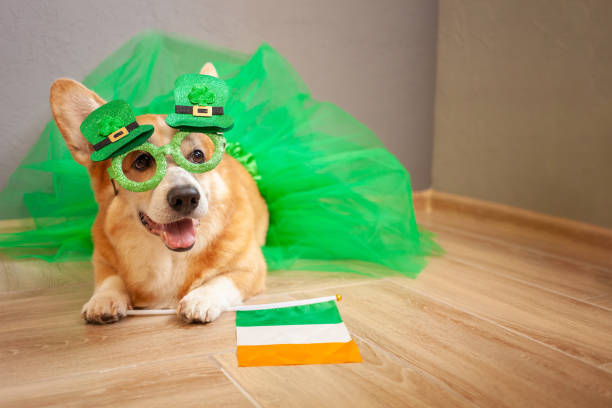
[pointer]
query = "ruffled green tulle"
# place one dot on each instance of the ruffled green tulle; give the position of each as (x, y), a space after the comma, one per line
(338, 200)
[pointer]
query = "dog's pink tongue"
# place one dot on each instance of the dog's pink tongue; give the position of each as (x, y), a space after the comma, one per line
(179, 234)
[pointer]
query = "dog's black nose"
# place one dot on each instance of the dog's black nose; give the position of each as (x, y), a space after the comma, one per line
(183, 199)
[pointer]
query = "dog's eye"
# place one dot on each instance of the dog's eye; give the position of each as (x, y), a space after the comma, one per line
(197, 156)
(143, 162)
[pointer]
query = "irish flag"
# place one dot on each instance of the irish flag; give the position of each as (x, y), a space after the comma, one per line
(299, 332)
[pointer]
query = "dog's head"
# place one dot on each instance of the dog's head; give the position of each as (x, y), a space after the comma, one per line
(173, 209)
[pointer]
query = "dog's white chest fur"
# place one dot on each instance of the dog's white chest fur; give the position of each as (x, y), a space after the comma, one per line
(152, 268)
(161, 275)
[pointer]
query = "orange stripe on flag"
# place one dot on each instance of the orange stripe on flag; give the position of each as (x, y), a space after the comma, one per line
(286, 354)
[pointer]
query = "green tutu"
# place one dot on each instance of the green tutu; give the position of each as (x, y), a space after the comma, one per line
(338, 200)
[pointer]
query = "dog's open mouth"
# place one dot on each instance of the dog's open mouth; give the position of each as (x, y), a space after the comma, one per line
(178, 235)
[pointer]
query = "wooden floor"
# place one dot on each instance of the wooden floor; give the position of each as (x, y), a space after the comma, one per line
(512, 315)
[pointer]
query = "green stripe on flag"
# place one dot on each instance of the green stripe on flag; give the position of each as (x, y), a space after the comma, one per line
(317, 313)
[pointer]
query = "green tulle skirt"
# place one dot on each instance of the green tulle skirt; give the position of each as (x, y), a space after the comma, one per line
(338, 200)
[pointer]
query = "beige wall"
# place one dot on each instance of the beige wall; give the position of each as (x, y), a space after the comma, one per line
(524, 104)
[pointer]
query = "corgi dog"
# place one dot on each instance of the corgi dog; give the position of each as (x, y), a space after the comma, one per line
(193, 243)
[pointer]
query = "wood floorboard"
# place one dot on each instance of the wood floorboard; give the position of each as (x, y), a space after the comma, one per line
(281, 282)
(577, 328)
(482, 361)
(382, 380)
(541, 241)
(184, 382)
(76, 347)
(511, 316)
(44, 336)
(38, 309)
(603, 301)
(17, 275)
(572, 278)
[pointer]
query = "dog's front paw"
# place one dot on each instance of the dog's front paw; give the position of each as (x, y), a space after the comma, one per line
(197, 309)
(105, 307)
(206, 303)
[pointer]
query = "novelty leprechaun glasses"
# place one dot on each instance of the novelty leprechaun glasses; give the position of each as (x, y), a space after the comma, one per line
(144, 167)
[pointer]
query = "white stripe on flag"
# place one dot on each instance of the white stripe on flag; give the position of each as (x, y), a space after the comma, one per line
(292, 334)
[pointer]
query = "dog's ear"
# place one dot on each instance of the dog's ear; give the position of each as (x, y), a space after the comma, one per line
(71, 102)
(209, 69)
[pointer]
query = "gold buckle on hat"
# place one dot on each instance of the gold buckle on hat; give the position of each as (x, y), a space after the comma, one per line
(113, 137)
(202, 111)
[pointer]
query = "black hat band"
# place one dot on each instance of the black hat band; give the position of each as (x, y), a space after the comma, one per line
(196, 110)
(116, 135)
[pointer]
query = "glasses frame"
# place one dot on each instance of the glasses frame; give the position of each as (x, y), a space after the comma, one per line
(159, 154)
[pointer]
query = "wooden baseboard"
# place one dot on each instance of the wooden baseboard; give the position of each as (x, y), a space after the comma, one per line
(429, 201)
(421, 200)
(16, 225)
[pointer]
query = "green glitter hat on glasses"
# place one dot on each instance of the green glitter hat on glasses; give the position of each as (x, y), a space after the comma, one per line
(112, 129)
(199, 102)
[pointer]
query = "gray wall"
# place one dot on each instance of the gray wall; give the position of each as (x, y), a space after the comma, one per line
(524, 105)
(345, 50)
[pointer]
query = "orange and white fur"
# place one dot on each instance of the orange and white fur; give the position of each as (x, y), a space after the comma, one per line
(211, 263)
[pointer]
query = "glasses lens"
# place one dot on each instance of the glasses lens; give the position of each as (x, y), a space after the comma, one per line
(139, 166)
(197, 148)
